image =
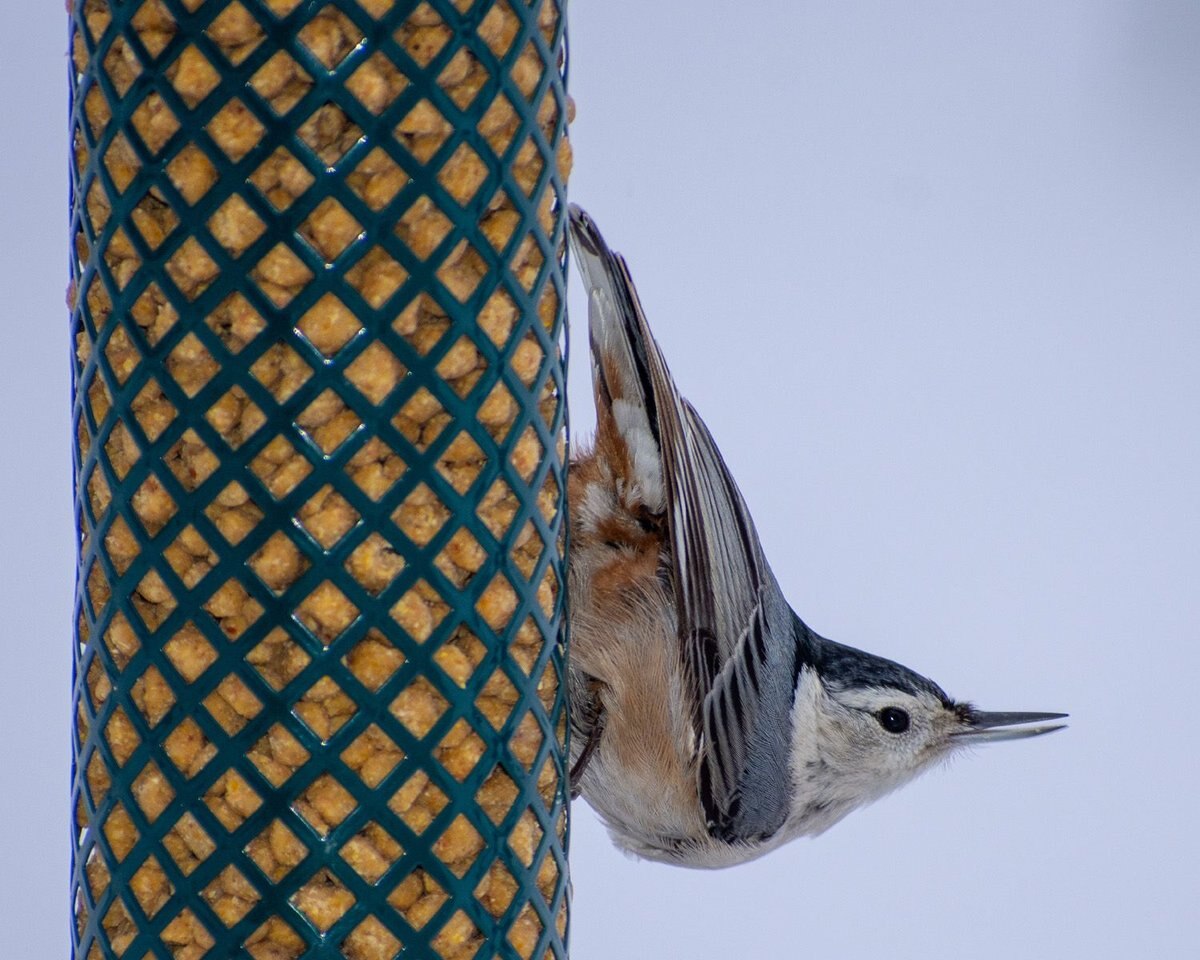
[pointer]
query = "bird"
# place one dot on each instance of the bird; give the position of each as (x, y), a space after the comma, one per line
(709, 724)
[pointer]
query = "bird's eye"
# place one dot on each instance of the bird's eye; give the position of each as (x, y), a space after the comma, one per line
(893, 719)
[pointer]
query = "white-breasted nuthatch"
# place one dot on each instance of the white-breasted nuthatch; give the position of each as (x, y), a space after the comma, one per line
(710, 724)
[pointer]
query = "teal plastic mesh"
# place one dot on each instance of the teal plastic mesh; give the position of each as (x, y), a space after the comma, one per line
(319, 410)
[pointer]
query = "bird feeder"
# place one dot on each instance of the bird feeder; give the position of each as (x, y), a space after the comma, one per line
(319, 414)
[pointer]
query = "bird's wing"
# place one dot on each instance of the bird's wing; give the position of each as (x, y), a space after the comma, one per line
(718, 572)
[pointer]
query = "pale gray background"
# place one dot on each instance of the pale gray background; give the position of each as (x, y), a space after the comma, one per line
(931, 271)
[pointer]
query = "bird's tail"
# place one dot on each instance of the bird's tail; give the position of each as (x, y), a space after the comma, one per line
(624, 355)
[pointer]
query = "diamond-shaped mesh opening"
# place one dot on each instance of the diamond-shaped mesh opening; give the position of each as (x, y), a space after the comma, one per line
(525, 931)
(186, 935)
(418, 802)
(462, 462)
(153, 696)
(282, 82)
(329, 36)
(376, 277)
(121, 545)
(460, 750)
(276, 851)
(236, 32)
(324, 708)
(151, 504)
(122, 65)
(281, 275)
(152, 410)
(119, 832)
(278, 563)
(153, 314)
(118, 926)
(282, 371)
(236, 322)
(121, 162)
(371, 852)
(377, 179)
(235, 130)
(463, 174)
(122, 451)
(376, 83)
(188, 844)
(330, 228)
(421, 515)
(190, 556)
(191, 365)
(278, 659)
(188, 748)
(423, 227)
(328, 325)
(329, 133)
(97, 874)
(154, 218)
(232, 704)
(372, 755)
(373, 660)
(121, 736)
(418, 707)
(192, 173)
(281, 179)
(375, 372)
(324, 900)
(278, 755)
(192, 269)
(423, 34)
(325, 804)
(327, 517)
(530, 167)
(457, 937)
(192, 76)
(423, 131)
(190, 652)
(233, 513)
(154, 122)
(461, 557)
(371, 940)
(328, 421)
(231, 896)
(235, 225)
(152, 600)
(419, 611)
(375, 468)
(233, 609)
(275, 939)
(154, 26)
(499, 28)
(375, 563)
(497, 796)
(326, 612)
(150, 887)
(152, 791)
(231, 800)
(462, 78)
(121, 640)
(191, 460)
(280, 467)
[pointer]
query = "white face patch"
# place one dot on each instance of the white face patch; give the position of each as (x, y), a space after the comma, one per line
(843, 757)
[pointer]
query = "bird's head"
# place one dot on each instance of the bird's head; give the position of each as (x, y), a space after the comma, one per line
(863, 725)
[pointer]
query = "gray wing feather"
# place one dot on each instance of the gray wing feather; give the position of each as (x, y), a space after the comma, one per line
(724, 591)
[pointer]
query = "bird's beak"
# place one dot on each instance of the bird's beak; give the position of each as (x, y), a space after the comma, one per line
(984, 727)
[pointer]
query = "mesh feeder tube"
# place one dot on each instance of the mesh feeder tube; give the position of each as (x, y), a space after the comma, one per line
(319, 417)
